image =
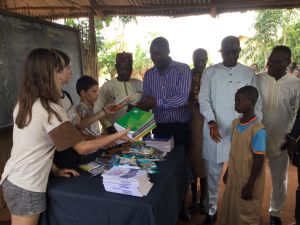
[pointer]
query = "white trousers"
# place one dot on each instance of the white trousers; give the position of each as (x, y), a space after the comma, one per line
(214, 172)
(279, 175)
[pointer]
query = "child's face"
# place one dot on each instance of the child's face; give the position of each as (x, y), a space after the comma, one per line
(91, 94)
(242, 104)
(66, 75)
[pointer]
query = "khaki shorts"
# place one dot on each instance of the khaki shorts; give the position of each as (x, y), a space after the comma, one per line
(23, 202)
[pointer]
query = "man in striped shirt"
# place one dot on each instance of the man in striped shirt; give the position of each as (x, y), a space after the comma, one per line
(166, 89)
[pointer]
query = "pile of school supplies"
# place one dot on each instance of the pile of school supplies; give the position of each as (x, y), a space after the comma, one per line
(95, 167)
(134, 162)
(141, 151)
(127, 180)
(140, 123)
(162, 143)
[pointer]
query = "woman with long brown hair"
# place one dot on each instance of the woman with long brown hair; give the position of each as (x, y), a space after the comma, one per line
(40, 126)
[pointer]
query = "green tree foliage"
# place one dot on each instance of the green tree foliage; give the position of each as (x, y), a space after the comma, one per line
(83, 25)
(107, 49)
(293, 40)
(273, 27)
(107, 58)
(142, 62)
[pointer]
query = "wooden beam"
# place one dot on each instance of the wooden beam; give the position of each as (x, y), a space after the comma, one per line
(43, 8)
(93, 47)
(74, 4)
(95, 7)
(209, 5)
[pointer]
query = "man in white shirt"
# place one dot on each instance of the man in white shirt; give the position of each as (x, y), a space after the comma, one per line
(116, 90)
(280, 97)
(216, 98)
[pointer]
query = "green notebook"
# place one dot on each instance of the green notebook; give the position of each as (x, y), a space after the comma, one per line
(140, 123)
(135, 119)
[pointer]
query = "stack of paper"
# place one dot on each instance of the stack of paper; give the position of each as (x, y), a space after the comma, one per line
(127, 180)
(162, 143)
(140, 123)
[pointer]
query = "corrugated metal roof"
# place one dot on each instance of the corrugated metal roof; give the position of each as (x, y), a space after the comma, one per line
(103, 8)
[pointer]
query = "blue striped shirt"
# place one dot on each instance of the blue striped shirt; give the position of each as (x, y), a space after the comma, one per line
(171, 91)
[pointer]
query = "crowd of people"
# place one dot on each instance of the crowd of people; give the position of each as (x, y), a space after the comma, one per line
(227, 112)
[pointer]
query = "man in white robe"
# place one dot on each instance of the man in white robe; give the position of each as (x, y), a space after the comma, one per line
(116, 90)
(216, 98)
(280, 97)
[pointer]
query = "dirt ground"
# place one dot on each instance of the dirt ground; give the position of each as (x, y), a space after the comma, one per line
(289, 209)
(287, 217)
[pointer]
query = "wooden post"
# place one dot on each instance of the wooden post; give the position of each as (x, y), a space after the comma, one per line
(93, 47)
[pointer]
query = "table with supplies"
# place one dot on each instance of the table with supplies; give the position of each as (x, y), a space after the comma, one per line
(83, 201)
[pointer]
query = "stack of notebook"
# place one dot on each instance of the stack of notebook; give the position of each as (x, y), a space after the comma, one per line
(162, 143)
(140, 123)
(127, 180)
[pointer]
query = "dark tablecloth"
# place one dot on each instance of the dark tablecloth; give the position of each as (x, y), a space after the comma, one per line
(83, 201)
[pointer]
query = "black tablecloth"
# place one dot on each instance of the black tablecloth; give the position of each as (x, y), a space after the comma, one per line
(83, 201)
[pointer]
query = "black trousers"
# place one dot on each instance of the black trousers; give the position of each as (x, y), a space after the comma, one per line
(180, 132)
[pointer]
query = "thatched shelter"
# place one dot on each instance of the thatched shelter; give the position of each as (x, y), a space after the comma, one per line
(102, 8)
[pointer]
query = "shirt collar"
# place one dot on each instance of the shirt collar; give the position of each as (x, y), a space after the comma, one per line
(230, 68)
(171, 64)
(283, 78)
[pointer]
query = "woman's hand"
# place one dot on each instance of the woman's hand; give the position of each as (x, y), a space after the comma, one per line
(65, 173)
(123, 135)
(110, 145)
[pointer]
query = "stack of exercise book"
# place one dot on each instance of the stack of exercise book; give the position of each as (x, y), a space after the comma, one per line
(127, 180)
(140, 123)
(162, 143)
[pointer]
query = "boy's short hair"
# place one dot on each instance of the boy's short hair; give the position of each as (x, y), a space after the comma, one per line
(84, 83)
(250, 92)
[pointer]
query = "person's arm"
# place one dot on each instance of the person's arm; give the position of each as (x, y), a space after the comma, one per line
(258, 105)
(205, 104)
(86, 121)
(295, 132)
(85, 147)
(182, 91)
(63, 172)
(204, 97)
(180, 98)
(64, 135)
(146, 88)
(257, 166)
(292, 139)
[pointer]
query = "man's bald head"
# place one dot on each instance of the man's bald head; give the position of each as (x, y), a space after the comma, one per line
(230, 50)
